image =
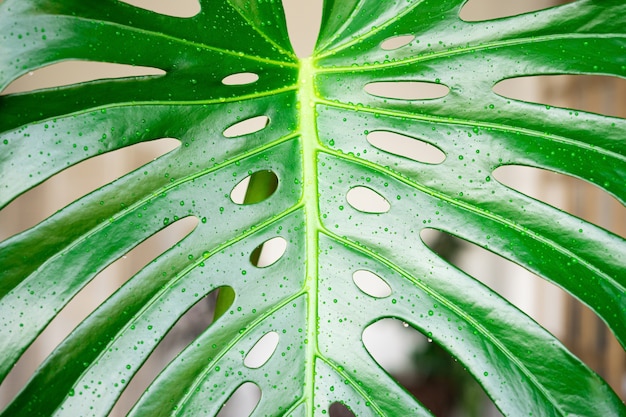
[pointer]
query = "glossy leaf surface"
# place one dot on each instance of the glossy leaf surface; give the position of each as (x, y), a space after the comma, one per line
(315, 143)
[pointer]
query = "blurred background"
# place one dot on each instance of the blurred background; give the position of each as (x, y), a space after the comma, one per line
(425, 370)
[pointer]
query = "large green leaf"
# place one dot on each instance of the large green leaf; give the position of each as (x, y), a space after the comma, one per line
(316, 145)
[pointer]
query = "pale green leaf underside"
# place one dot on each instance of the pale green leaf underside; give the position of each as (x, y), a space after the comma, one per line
(316, 145)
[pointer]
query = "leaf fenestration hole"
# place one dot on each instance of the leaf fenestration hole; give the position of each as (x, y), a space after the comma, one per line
(570, 194)
(407, 90)
(255, 188)
(247, 127)
(338, 409)
(241, 78)
(590, 93)
(367, 200)
(77, 181)
(423, 368)
(262, 350)
(101, 287)
(396, 42)
(186, 329)
(371, 284)
(178, 8)
(74, 72)
(391, 344)
(269, 252)
(478, 10)
(242, 402)
(408, 147)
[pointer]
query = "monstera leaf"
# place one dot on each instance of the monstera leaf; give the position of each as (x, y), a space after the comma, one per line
(317, 146)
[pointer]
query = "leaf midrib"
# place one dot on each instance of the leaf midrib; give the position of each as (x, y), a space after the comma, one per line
(307, 127)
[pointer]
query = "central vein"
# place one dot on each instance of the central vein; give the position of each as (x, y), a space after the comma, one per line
(310, 148)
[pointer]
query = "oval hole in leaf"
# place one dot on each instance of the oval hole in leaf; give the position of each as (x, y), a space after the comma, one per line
(367, 200)
(338, 409)
(269, 252)
(407, 90)
(186, 329)
(478, 10)
(242, 402)
(246, 127)
(262, 351)
(177, 8)
(101, 287)
(255, 188)
(591, 93)
(570, 194)
(76, 181)
(74, 72)
(371, 284)
(406, 146)
(396, 42)
(241, 78)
